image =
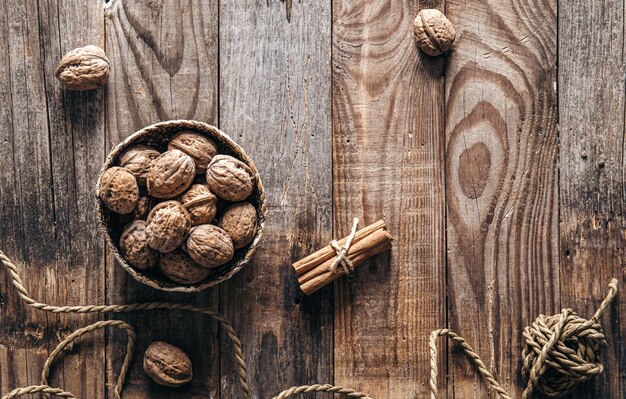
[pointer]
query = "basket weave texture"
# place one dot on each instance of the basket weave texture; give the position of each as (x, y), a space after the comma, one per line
(157, 136)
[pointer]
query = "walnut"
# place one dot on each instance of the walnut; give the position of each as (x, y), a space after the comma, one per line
(197, 146)
(144, 204)
(239, 222)
(209, 246)
(84, 68)
(230, 178)
(201, 204)
(138, 160)
(118, 190)
(134, 246)
(170, 175)
(434, 33)
(178, 267)
(168, 225)
(167, 365)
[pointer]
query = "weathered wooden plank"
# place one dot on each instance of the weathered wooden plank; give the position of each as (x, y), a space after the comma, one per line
(275, 101)
(388, 163)
(51, 147)
(591, 114)
(501, 183)
(163, 66)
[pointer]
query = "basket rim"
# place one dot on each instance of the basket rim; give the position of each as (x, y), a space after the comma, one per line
(206, 129)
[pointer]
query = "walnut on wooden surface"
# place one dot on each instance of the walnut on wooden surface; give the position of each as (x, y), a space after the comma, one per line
(167, 226)
(144, 204)
(167, 364)
(433, 32)
(171, 174)
(118, 190)
(135, 248)
(230, 178)
(197, 146)
(209, 246)
(138, 160)
(178, 267)
(239, 222)
(84, 68)
(201, 204)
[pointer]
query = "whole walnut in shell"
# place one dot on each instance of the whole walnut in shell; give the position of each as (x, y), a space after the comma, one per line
(197, 146)
(167, 226)
(201, 204)
(84, 68)
(134, 246)
(239, 222)
(178, 267)
(118, 190)
(433, 32)
(138, 161)
(209, 246)
(171, 174)
(167, 364)
(230, 178)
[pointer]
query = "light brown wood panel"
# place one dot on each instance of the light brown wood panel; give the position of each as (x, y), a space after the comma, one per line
(591, 114)
(388, 163)
(163, 66)
(50, 149)
(275, 101)
(501, 183)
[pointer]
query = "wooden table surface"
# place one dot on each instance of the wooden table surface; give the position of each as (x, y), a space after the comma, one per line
(500, 176)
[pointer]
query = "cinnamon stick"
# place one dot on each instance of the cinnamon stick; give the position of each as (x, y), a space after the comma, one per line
(314, 271)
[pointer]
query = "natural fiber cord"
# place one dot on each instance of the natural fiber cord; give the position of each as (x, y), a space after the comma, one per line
(561, 350)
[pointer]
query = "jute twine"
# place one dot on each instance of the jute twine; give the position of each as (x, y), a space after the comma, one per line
(561, 350)
(342, 252)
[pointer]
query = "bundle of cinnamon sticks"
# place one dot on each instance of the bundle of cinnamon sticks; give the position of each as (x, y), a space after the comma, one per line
(315, 271)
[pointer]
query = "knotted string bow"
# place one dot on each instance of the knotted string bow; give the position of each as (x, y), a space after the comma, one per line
(342, 252)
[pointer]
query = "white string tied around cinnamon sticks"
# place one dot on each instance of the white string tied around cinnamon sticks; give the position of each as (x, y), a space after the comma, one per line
(342, 252)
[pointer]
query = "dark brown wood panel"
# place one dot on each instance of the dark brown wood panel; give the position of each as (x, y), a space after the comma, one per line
(50, 151)
(275, 101)
(501, 183)
(163, 66)
(388, 163)
(591, 114)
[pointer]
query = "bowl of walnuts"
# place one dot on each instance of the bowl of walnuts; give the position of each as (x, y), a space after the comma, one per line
(182, 205)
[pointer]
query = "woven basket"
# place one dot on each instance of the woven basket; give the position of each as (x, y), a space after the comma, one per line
(157, 136)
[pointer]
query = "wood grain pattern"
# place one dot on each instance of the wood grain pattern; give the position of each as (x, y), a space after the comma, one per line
(50, 139)
(275, 101)
(387, 154)
(591, 113)
(164, 66)
(501, 183)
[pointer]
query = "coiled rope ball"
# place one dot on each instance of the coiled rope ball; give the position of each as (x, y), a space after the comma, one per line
(563, 350)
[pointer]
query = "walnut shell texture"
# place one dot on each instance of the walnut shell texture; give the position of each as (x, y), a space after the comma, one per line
(118, 190)
(167, 226)
(138, 161)
(178, 267)
(134, 246)
(201, 204)
(197, 146)
(144, 205)
(167, 364)
(434, 33)
(171, 174)
(209, 246)
(239, 222)
(84, 68)
(230, 178)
